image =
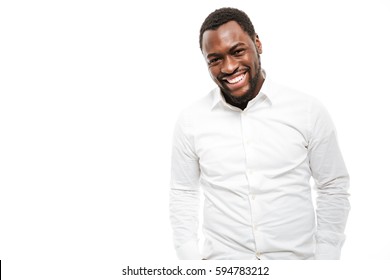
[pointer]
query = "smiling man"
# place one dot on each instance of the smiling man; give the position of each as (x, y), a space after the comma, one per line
(233, 60)
(253, 145)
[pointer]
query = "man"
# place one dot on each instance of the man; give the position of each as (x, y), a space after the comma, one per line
(252, 146)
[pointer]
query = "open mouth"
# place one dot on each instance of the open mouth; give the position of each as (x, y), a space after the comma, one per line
(236, 81)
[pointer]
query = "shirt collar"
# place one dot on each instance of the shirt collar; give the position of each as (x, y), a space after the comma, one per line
(264, 93)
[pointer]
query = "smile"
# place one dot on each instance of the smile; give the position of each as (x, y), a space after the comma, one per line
(235, 80)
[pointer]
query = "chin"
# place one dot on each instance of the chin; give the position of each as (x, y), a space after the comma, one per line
(239, 95)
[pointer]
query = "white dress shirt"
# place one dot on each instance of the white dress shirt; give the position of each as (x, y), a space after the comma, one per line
(254, 167)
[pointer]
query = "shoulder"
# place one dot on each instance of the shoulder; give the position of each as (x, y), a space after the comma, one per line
(198, 107)
(189, 117)
(284, 93)
(292, 97)
(318, 117)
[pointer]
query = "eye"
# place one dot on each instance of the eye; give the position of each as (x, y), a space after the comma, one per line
(214, 60)
(239, 52)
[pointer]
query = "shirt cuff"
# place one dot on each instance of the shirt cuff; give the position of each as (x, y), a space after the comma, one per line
(189, 251)
(327, 252)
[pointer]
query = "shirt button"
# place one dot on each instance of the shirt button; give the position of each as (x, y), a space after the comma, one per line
(253, 197)
(258, 254)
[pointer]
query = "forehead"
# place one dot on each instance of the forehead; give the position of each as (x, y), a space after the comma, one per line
(224, 37)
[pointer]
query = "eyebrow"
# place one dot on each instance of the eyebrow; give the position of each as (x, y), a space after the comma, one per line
(231, 49)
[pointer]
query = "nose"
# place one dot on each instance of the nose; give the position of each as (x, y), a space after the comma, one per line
(229, 65)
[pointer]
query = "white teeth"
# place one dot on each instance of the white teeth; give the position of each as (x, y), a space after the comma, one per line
(236, 79)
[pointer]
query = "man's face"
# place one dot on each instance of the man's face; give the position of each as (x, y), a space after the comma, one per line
(233, 60)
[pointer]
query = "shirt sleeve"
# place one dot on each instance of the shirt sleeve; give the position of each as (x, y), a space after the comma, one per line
(184, 192)
(331, 182)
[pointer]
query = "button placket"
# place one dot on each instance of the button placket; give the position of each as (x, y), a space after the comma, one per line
(251, 173)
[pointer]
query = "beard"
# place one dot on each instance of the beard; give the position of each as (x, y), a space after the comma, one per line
(242, 101)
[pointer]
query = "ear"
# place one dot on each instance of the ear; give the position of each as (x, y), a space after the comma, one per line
(258, 45)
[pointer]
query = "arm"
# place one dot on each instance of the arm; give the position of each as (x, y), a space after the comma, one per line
(331, 182)
(184, 193)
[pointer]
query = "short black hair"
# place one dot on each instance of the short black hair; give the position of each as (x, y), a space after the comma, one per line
(224, 15)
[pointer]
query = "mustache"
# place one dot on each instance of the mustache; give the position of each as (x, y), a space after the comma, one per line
(224, 75)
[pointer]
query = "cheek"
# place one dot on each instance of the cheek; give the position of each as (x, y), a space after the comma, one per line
(213, 73)
(255, 64)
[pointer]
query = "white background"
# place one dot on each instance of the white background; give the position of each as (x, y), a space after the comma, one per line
(90, 91)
